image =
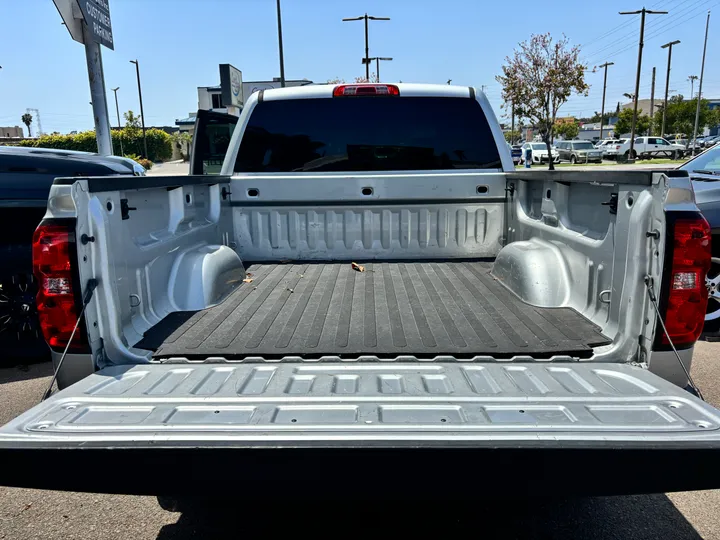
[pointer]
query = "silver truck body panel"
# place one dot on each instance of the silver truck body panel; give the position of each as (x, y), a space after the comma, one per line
(355, 403)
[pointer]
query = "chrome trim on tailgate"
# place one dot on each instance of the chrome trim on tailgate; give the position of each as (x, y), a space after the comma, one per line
(350, 404)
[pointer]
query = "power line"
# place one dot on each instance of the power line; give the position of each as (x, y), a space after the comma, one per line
(623, 25)
(651, 24)
(670, 25)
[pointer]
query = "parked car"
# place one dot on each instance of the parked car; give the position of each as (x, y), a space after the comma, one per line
(704, 170)
(712, 141)
(604, 144)
(578, 152)
(686, 144)
(611, 150)
(539, 152)
(26, 175)
(651, 147)
(495, 323)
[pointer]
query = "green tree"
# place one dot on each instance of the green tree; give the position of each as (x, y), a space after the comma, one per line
(27, 120)
(567, 130)
(512, 135)
(539, 78)
(624, 123)
(680, 116)
(132, 122)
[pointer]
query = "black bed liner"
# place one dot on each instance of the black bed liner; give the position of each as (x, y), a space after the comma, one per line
(422, 309)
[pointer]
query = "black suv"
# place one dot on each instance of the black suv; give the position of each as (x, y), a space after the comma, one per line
(26, 175)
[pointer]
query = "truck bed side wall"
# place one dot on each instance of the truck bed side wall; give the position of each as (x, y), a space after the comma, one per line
(183, 246)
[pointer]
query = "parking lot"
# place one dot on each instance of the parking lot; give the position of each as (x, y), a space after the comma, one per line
(28, 514)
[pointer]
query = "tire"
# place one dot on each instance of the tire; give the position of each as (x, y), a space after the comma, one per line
(712, 314)
(628, 156)
(573, 160)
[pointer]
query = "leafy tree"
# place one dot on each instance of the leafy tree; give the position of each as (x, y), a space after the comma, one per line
(132, 123)
(567, 130)
(680, 116)
(512, 136)
(27, 120)
(624, 123)
(541, 75)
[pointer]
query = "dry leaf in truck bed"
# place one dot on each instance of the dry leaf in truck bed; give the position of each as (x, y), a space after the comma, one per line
(358, 267)
(248, 280)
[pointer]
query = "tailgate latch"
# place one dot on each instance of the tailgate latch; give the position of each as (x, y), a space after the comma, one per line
(125, 209)
(612, 203)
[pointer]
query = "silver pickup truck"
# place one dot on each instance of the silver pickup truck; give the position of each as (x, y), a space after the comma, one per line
(369, 301)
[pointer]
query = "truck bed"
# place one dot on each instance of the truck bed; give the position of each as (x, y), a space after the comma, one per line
(423, 309)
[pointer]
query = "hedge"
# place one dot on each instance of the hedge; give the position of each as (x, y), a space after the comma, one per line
(159, 143)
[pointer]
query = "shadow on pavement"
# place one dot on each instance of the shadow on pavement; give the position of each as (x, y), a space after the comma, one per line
(24, 371)
(630, 517)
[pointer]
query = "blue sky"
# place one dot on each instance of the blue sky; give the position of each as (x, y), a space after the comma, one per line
(180, 43)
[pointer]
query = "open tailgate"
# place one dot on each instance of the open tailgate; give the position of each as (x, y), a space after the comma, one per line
(396, 428)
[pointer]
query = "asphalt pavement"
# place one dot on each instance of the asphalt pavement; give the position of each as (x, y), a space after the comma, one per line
(29, 514)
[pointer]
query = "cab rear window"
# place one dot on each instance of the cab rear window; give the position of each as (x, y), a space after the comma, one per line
(367, 134)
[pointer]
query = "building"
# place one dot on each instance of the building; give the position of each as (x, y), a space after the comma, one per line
(14, 132)
(210, 99)
(591, 132)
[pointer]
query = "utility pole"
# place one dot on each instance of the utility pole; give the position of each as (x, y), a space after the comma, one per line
(142, 113)
(702, 74)
(669, 47)
(98, 94)
(117, 110)
(652, 101)
(602, 108)
(692, 79)
(377, 64)
(642, 13)
(282, 61)
(367, 18)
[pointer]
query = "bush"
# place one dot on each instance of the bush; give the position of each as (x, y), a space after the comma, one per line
(146, 163)
(141, 161)
(159, 143)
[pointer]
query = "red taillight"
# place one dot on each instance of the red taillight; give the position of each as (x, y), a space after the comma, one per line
(366, 90)
(687, 295)
(52, 266)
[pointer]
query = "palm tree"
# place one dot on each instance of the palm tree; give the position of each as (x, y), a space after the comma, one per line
(27, 120)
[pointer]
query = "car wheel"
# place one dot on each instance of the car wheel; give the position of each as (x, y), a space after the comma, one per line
(18, 313)
(712, 282)
(573, 160)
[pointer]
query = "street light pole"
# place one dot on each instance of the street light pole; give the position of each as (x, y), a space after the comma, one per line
(117, 110)
(142, 113)
(669, 47)
(366, 18)
(642, 13)
(602, 108)
(282, 61)
(702, 74)
(377, 65)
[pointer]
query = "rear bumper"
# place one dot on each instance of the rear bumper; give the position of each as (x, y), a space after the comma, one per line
(410, 472)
